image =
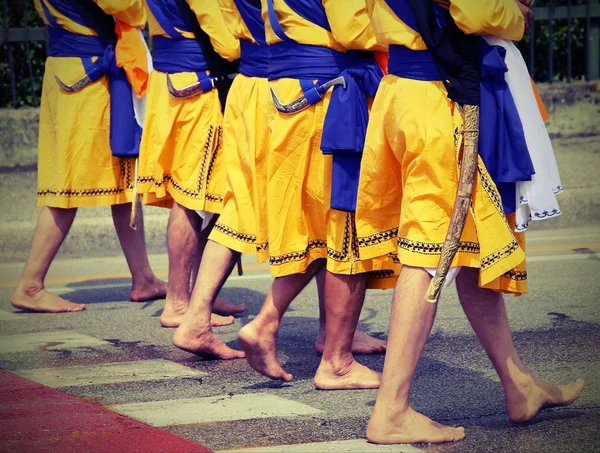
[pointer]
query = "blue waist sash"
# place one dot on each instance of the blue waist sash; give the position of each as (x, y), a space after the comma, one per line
(412, 64)
(177, 55)
(345, 125)
(180, 55)
(254, 61)
(125, 132)
(502, 145)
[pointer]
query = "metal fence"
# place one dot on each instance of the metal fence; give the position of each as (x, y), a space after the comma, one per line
(563, 44)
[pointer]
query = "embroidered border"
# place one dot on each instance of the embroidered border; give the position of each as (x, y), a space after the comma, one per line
(490, 260)
(377, 238)
(126, 183)
(242, 237)
(204, 169)
(515, 275)
(278, 260)
(435, 248)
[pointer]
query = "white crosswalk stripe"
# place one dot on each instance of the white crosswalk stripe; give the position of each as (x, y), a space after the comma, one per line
(110, 373)
(214, 409)
(50, 341)
(338, 446)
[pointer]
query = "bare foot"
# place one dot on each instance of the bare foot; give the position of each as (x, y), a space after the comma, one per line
(173, 317)
(173, 311)
(410, 427)
(204, 343)
(522, 404)
(362, 343)
(260, 345)
(351, 377)
(38, 299)
(221, 321)
(155, 289)
(224, 308)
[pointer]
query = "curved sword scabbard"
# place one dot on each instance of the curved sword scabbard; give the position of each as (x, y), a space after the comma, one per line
(187, 92)
(302, 102)
(77, 86)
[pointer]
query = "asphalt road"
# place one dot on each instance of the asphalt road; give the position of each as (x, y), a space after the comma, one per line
(227, 406)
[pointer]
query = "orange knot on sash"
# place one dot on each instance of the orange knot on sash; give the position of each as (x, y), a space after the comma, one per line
(132, 56)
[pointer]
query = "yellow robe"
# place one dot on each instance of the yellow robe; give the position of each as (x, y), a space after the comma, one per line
(242, 225)
(302, 226)
(75, 164)
(180, 154)
(409, 174)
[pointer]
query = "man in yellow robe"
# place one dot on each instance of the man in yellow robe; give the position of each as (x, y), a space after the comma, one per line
(181, 158)
(75, 164)
(305, 232)
(408, 184)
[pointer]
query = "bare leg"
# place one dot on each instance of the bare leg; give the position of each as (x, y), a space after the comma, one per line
(195, 334)
(525, 394)
(393, 420)
(183, 243)
(344, 297)
(145, 285)
(362, 343)
(259, 337)
(52, 228)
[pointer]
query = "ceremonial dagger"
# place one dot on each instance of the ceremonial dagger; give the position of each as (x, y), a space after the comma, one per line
(456, 57)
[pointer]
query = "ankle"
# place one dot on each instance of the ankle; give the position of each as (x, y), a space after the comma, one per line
(30, 287)
(337, 363)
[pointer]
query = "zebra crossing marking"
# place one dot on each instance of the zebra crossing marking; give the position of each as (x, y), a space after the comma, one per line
(47, 341)
(110, 373)
(336, 446)
(214, 409)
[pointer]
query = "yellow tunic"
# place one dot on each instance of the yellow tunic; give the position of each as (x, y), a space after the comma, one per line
(409, 174)
(75, 164)
(302, 226)
(242, 225)
(180, 154)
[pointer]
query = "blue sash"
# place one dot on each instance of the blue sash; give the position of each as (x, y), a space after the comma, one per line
(254, 61)
(345, 125)
(176, 53)
(125, 132)
(502, 144)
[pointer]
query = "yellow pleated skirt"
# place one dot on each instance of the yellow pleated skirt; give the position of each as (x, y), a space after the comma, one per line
(75, 164)
(180, 153)
(301, 225)
(242, 225)
(408, 183)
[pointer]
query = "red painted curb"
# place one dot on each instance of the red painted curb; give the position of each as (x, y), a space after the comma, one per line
(36, 418)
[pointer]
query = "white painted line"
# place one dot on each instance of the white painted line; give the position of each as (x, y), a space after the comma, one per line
(214, 409)
(337, 446)
(575, 237)
(10, 316)
(110, 373)
(567, 257)
(60, 290)
(47, 341)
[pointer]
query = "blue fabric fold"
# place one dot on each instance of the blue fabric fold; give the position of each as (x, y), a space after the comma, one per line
(252, 17)
(254, 61)
(347, 116)
(345, 129)
(168, 16)
(174, 55)
(502, 144)
(125, 132)
(412, 64)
